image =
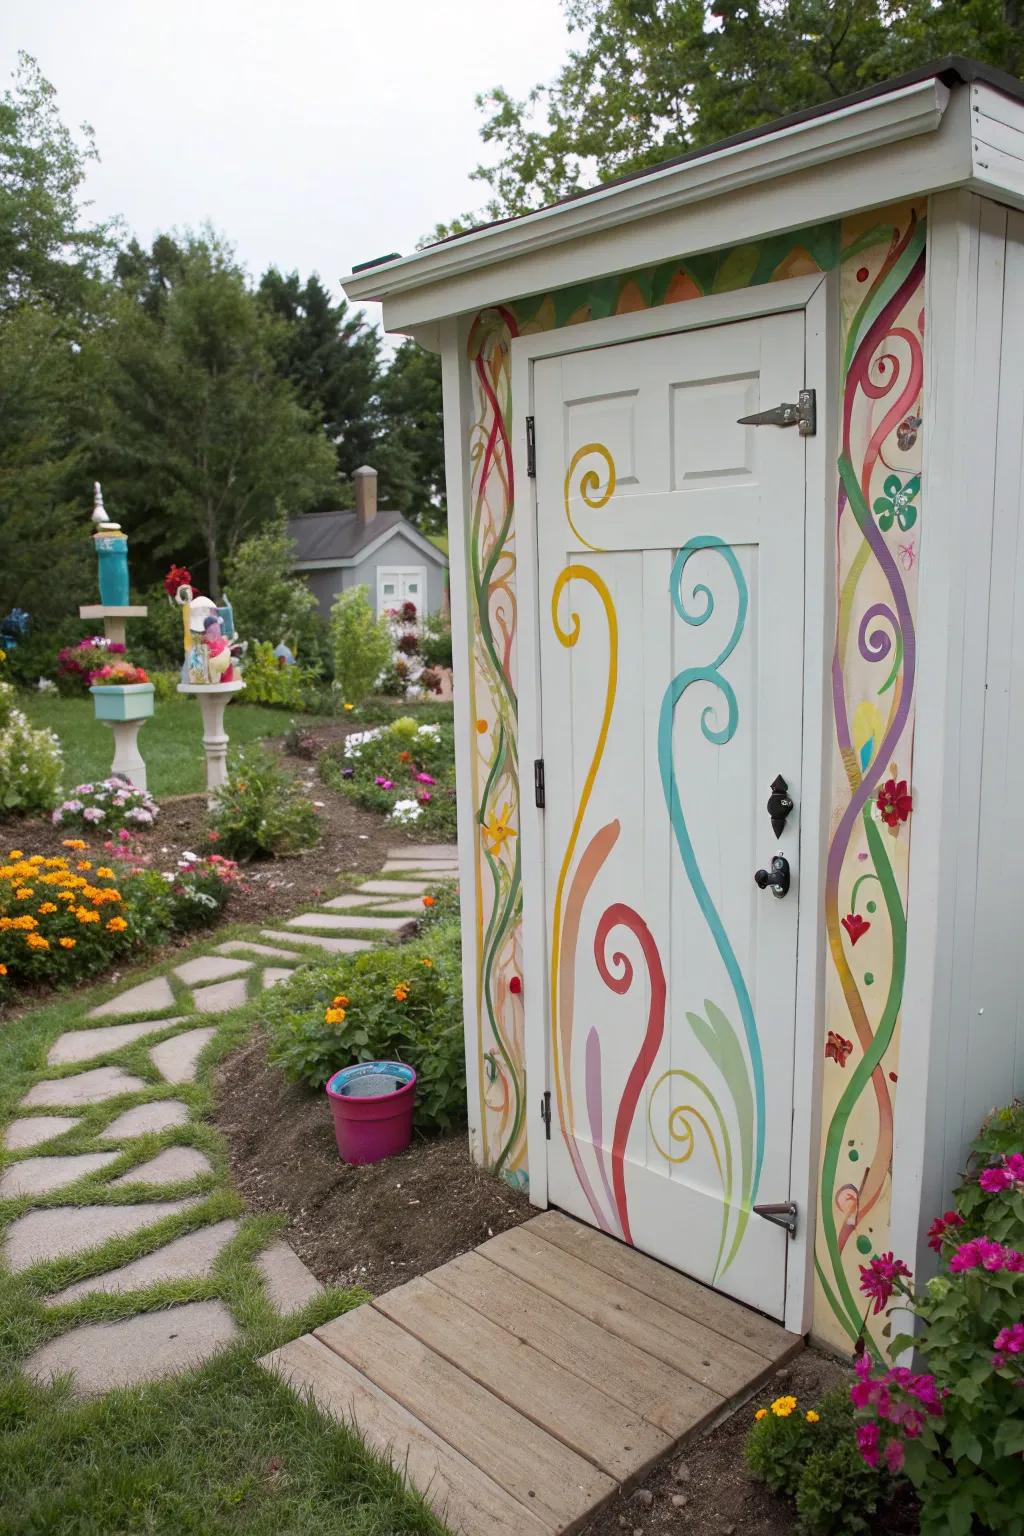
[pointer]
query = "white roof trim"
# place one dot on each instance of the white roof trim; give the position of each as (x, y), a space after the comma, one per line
(893, 118)
(346, 562)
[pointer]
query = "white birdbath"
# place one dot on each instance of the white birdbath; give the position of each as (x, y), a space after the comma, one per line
(214, 699)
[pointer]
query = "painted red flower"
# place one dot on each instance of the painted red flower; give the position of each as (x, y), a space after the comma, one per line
(837, 1048)
(895, 802)
(940, 1226)
(856, 926)
(515, 985)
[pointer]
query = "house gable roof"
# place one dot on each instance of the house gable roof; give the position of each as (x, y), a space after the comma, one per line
(324, 539)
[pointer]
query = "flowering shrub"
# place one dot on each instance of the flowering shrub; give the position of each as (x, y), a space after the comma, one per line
(405, 771)
(75, 663)
(109, 804)
(261, 811)
(118, 673)
(402, 1003)
(30, 762)
(958, 1428)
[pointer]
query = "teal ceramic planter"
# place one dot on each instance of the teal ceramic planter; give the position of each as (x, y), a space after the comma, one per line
(123, 701)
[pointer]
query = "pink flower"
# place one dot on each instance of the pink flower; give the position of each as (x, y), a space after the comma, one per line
(867, 1443)
(894, 1456)
(1015, 1163)
(998, 1361)
(940, 1227)
(992, 1180)
(383, 783)
(1010, 1339)
(424, 778)
(424, 797)
(878, 1278)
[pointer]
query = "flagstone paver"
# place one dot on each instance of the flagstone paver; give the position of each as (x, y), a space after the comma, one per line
(143, 1118)
(147, 997)
(343, 903)
(317, 941)
(140, 1348)
(176, 1058)
(425, 851)
(419, 866)
(209, 968)
(289, 1283)
(352, 924)
(222, 996)
(83, 1044)
(250, 947)
(38, 1175)
(63, 1230)
(396, 887)
(84, 1088)
(171, 1166)
(181, 1258)
(414, 907)
(35, 1129)
(272, 975)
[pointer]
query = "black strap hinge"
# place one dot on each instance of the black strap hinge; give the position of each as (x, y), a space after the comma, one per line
(545, 1112)
(531, 448)
(539, 794)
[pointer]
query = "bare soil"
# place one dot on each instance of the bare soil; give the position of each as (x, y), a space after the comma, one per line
(375, 1226)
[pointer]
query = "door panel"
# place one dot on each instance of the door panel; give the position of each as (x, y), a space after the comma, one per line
(670, 546)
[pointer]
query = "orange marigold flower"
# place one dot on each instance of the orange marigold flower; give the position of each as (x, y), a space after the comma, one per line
(24, 893)
(47, 907)
(334, 1016)
(104, 873)
(86, 915)
(429, 901)
(67, 943)
(3, 969)
(427, 962)
(341, 1001)
(15, 853)
(400, 994)
(37, 858)
(85, 863)
(116, 924)
(762, 1413)
(36, 941)
(73, 842)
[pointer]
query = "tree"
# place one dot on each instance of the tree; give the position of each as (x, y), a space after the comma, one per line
(202, 440)
(412, 437)
(269, 603)
(46, 253)
(654, 78)
(331, 357)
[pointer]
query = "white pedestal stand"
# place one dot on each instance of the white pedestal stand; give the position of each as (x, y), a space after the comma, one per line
(128, 760)
(214, 698)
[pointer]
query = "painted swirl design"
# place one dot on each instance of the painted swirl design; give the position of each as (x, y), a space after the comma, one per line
(590, 488)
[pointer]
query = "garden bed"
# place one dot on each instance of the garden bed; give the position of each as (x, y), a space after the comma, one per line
(375, 1226)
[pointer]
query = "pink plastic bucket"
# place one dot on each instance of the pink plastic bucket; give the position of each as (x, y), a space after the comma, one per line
(372, 1106)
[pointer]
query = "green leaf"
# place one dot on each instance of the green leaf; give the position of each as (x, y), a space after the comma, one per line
(1009, 1437)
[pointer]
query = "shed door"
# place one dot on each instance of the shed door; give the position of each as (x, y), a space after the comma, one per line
(398, 584)
(671, 603)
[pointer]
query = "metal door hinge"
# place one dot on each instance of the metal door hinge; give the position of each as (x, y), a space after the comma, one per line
(545, 1112)
(781, 1214)
(531, 448)
(804, 414)
(539, 796)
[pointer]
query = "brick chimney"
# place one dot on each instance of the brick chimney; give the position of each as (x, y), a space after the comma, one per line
(365, 480)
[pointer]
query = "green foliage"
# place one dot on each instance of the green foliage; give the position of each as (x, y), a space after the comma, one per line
(261, 811)
(156, 640)
(436, 641)
(31, 764)
(646, 82)
(422, 1025)
(838, 1493)
(360, 644)
(269, 603)
(267, 681)
(411, 455)
(405, 771)
(165, 686)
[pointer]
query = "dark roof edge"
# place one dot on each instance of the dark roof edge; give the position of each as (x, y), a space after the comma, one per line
(951, 70)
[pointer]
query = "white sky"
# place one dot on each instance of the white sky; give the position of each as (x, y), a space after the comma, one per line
(314, 133)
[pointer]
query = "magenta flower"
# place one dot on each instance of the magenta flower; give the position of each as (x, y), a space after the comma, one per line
(867, 1443)
(894, 1456)
(940, 1228)
(424, 778)
(1015, 1163)
(983, 1253)
(992, 1180)
(383, 783)
(1010, 1339)
(878, 1278)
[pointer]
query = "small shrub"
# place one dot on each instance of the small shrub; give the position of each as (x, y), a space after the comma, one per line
(269, 603)
(838, 1493)
(269, 682)
(405, 771)
(108, 804)
(400, 1003)
(360, 643)
(30, 763)
(261, 810)
(300, 742)
(165, 686)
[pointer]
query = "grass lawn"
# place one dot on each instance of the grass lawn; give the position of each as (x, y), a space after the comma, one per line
(171, 742)
(221, 1450)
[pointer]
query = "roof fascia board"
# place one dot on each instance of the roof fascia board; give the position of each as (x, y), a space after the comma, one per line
(896, 117)
(997, 146)
(874, 178)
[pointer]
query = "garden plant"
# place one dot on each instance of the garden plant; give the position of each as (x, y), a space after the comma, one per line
(406, 771)
(261, 811)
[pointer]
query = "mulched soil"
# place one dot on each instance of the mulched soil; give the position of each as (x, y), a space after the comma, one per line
(375, 1226)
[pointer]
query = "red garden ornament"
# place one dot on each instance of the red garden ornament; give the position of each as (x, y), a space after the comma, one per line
(856, 926)
(895, 802)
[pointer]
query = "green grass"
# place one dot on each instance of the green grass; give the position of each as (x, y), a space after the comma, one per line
(171, 742)
(223, 1449)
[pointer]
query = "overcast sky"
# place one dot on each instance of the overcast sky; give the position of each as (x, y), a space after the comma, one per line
(313, 133)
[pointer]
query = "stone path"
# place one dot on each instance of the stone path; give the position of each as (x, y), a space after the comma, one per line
(74, 1129)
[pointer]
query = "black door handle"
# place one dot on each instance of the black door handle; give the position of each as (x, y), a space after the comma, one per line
(775, 879)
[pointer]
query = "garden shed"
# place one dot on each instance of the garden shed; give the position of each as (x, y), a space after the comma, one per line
(734, 477)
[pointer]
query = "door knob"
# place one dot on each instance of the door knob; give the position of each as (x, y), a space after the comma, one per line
(775, 879)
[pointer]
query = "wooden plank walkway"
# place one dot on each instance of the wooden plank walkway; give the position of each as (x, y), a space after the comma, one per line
(521, 1385)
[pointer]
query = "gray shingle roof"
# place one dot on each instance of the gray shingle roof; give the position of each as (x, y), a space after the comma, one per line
(337, 535)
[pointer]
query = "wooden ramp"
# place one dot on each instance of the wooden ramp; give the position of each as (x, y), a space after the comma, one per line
(520, 1385)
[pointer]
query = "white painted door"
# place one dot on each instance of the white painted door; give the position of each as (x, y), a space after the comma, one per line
(398, 584)
(671, 571)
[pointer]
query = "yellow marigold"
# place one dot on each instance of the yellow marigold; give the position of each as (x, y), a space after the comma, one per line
(116, 924)
(761, 1413)
(37, 858)
(73, 842)
(6, 871)
(334, 1016)
(85, 863)
(400, 994)
(811, 1416)
(15, 854)
(55, 863)
(24, 893)
(36, 941)
(86, 915)
(65, 895)
(104, 873)
(26, 922)
(783, 1407)
(47, 907)
(67, 943)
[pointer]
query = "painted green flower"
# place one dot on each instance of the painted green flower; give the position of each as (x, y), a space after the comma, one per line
(897, 505)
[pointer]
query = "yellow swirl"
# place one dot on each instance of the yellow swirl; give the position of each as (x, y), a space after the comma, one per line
(590, 486)
(680, 1130)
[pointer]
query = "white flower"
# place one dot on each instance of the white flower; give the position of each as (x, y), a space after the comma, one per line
(46, 685)
(431, 731)
(406, 810)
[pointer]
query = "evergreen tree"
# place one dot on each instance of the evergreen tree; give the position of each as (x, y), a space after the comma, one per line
(412, 437)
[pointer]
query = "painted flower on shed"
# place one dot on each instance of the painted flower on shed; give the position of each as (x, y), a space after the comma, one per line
(895, 802)
(897, 504)
(497, 830)
(856, 926)
(837, 1048)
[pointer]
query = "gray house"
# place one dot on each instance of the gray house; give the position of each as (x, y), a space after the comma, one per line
(378, 550)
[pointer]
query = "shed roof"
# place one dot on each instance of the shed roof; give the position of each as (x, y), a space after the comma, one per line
(341, 536)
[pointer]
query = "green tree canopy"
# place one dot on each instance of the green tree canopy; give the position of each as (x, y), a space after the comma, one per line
(269, 603)
(412, 437)
(650, 79)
